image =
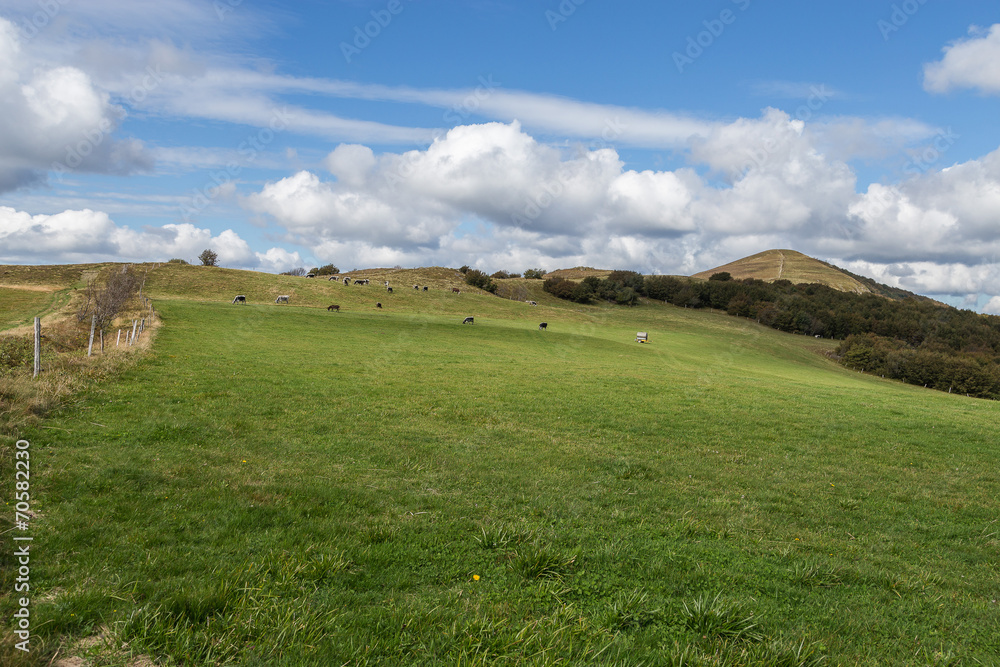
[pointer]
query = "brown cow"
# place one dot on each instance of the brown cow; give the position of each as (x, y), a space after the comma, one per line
(378, 305)
(456, 290)
(333, 307)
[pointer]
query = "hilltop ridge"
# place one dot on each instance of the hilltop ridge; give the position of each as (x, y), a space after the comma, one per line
(796, 267)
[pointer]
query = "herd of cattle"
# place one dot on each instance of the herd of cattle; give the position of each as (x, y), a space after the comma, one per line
(241, 298)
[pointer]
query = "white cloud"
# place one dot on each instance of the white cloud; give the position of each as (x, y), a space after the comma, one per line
(992, 306)
(92, 236)
(55, 116)
(969, 63)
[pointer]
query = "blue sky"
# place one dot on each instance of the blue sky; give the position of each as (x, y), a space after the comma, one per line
(664, 137)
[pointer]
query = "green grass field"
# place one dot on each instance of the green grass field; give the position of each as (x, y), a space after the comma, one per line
(281, 485)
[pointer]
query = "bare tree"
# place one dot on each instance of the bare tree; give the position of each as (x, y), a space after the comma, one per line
(104, 302)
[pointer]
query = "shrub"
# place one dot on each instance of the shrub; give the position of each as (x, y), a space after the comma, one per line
(477, 278)
(534, 274)
(327, 270)
(501, 275)
(209, 258)
(464, 268)
(721, 276)
(298, 271)
(177, 261)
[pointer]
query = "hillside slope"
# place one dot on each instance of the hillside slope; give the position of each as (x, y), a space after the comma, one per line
(772, 265)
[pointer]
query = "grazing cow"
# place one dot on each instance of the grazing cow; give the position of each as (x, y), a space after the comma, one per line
(334, 278)
(425, 288)
(366, 281)
(389, 290)
(543, 325)
(347, 281)
(333, 307)
(378, 304)
(240, 299)
(456, 290)
(359, 282)
(468, 320)
(416, 287)
(531, 303)
(282, 299)
(387, 283)
(310, 275)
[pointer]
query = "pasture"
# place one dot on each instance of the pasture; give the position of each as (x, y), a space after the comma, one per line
(286, 485)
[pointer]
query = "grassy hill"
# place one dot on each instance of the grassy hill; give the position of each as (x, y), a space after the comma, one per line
(286, 485)
(772, 265)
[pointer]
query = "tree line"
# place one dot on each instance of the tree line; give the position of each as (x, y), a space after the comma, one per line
(909, 338)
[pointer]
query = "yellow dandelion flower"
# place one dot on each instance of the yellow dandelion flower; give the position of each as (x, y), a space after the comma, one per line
(475, 577)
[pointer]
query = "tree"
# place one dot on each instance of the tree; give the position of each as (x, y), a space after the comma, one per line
(464, 269)
(477, 278)
(103, 303)
(209, 258)
(534, 274)
(297, 271)
(721, 276)
(327, 270)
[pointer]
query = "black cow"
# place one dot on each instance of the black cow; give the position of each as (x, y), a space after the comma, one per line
(240, 299)
(378, 305)
(468, 320)
(543, 325)
(389, 290)
(425, 288)
(333, 307)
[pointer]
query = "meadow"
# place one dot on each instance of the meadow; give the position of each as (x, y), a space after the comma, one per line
(282, 485)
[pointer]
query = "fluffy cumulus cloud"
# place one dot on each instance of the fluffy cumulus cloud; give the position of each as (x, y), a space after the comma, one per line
(509, 188)
(495, 194)
(55, 118)
(92, 236)
(970, 63)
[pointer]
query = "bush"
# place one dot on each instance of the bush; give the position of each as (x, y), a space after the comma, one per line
(209, 258)
(327, 270)
(464, 269)
(721, 276)
(177, 261)
(298, 271)
(501, 275)
(534, 274)
(477, 278)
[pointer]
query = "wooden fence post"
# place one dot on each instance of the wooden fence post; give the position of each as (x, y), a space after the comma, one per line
(93, 325)
(38, 346)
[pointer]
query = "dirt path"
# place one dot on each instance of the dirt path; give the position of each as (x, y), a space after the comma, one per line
(781, 265)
